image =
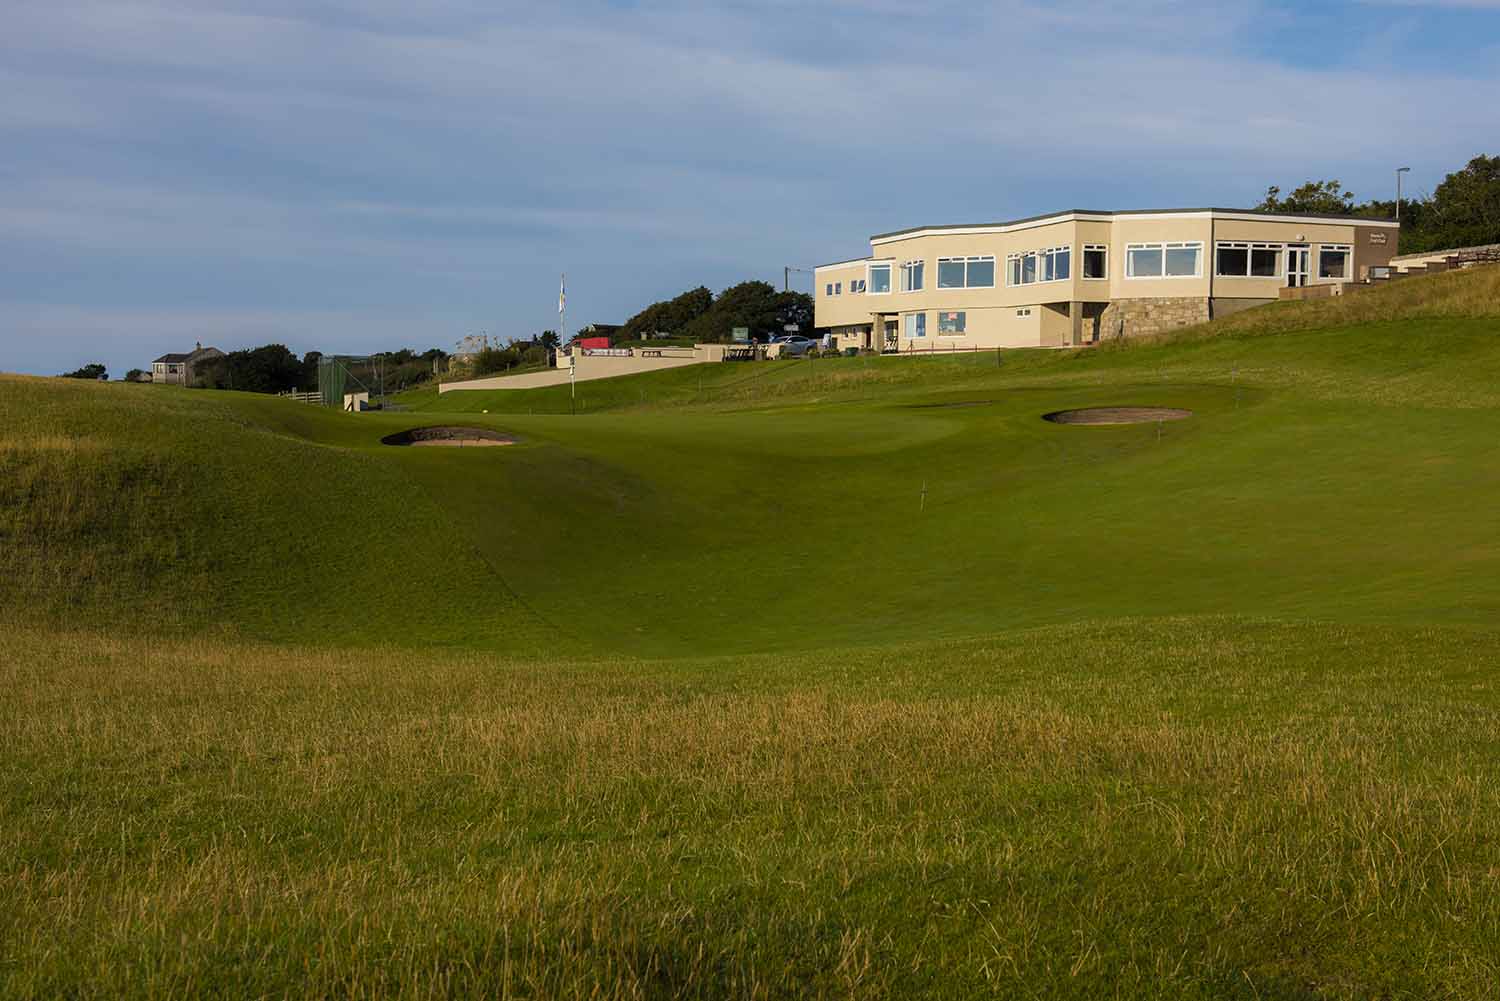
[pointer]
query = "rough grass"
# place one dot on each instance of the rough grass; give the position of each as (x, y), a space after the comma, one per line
(1198, 809)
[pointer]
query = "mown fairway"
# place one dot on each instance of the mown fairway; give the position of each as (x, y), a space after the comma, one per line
(697, 694)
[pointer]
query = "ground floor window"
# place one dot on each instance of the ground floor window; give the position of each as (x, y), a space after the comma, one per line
(1247, 260)
(951, 322)
(1333, 261)
(916, 325)
(1095, 260)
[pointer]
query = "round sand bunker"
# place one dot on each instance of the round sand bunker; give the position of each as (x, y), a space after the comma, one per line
(449, 437)
(1117, 415)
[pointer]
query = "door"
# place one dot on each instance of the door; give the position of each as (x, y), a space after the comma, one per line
(1298, 265)
(892, 335)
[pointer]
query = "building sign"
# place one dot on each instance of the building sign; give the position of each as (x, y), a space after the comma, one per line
(1378, 239)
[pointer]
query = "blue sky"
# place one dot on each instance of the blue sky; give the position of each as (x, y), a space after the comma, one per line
(353, 176)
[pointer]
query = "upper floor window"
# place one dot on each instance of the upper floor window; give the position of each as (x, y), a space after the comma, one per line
(1057, 264)
(879, 277)
(1020, 269)
(1095, 260)
(1164, 260)
(838, 288)
(966, 272)
(829, 289)
(911, 276)
(1246, 260)
(856, 285)
(1333, 261)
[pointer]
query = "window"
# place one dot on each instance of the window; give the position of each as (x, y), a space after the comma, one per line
(966, 272)
(916, 325)
(1232, 260)
(1247, 260)
(951, 323)
(1024, 312)
(838, 288)
(856, 285)
(1095, 261)
(1163, 260)
(1057, 264)
(911, 276)
(1021, 268)
(1333, 261)
(879, 278)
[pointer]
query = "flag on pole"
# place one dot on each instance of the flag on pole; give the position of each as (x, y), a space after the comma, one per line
(562, 294)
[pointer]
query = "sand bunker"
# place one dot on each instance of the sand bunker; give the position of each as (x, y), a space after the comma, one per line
(1117, 415)
(449, 437)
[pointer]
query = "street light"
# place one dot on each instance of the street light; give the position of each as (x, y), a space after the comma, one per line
(1399, 172)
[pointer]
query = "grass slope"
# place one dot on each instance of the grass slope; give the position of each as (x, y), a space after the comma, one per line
(698, 694)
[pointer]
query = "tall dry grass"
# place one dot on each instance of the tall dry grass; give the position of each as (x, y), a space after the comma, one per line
(1181, 809)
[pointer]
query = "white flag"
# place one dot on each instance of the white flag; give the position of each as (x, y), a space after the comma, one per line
(562, 295)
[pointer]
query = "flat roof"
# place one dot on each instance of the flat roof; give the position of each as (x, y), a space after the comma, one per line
(1107, 214)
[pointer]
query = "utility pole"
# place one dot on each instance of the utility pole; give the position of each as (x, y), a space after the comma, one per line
(1399, 172)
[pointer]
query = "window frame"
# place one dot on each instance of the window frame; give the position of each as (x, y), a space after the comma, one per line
(1015, 276)
(1047, 258)
(962, 321)
(914, 268)
(890, 278)
(966, 261)
(914, 325)
(1250, 247)
(1346, 251)
(838, 288)
(1099, 248)
(1162, 246)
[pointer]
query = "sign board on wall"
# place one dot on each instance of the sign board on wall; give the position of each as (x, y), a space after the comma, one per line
(1378, 239)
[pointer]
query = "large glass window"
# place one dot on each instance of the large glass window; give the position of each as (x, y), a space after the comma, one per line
(1057, 264)
(1265, 260)
(1232, 260)
(951, 322)
(1333, 261)
(1184, 260)
(1163, 260)
(966, 272)
(916, 325)
(880, 278)
(1143, 261)
(1247, 260)
(1095, 261)
(911, 276)
(950, 273)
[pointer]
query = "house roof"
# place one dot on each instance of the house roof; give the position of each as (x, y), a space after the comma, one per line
(1108, 214)
(176, 358)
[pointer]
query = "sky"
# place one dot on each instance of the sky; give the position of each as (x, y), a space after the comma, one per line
(360, 175)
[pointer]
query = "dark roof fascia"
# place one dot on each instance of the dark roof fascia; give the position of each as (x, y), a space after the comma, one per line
(1120, 212)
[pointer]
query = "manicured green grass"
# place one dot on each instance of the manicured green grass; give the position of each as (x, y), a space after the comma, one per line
(812, 678)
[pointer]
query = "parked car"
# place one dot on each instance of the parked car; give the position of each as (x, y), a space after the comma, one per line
(794, 344)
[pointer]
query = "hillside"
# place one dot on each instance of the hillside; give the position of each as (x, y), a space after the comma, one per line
(847, 678)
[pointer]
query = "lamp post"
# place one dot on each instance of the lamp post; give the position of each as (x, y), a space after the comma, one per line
(1399, 172)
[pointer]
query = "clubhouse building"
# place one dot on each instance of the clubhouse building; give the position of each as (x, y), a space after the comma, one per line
(1077, 277)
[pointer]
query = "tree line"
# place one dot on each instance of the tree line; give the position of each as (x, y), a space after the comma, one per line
(703, 317)
(1462, 211)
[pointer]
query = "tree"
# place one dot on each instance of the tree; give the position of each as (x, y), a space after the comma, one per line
(92, 371)
(670, 316)
(549, 339)
(270, 368)
(135, 375)
(1465, 208)
(1313, 198)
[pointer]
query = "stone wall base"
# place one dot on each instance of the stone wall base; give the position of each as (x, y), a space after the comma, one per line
(1143, 317)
